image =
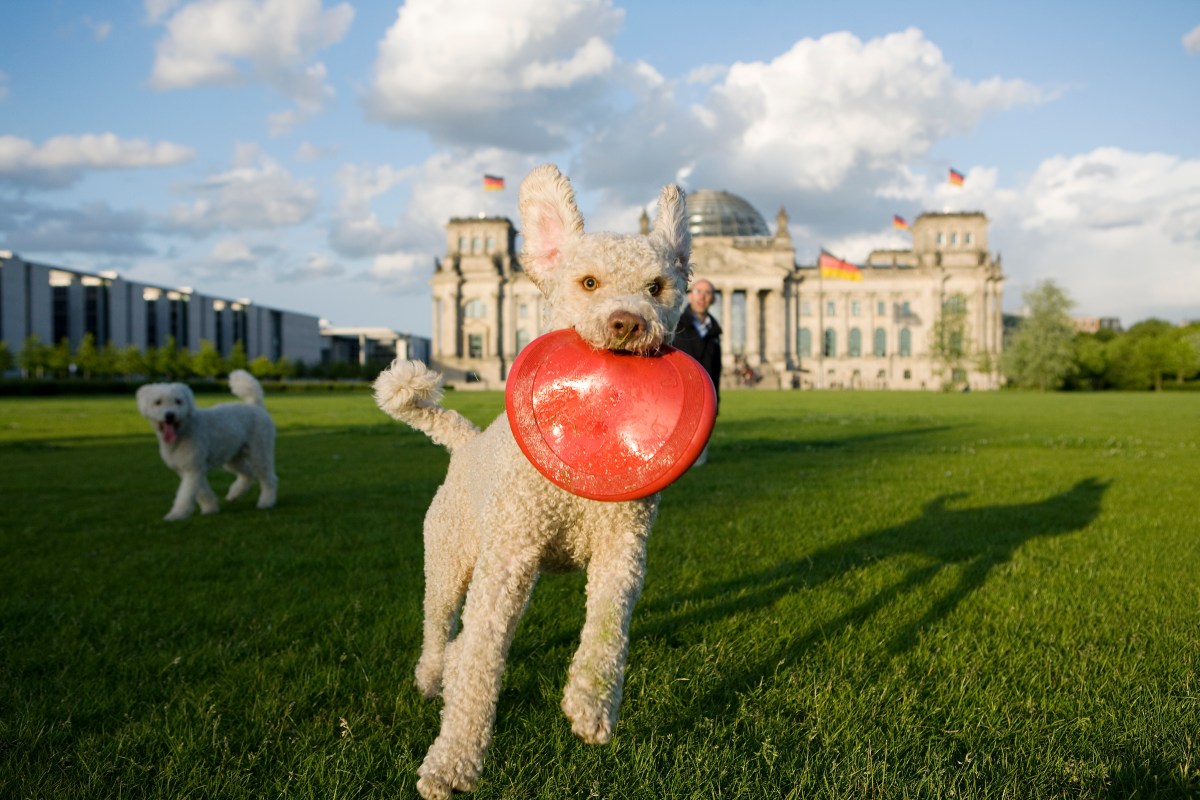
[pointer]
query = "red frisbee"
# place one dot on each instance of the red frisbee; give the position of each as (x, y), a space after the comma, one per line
(606, 425)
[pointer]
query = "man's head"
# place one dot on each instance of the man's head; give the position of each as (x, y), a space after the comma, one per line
(700, 297)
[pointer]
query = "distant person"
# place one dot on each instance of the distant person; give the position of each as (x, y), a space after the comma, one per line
(699, 335)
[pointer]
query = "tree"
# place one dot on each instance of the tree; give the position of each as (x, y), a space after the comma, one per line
(87, 356)
(1040, 354)
(7, 361)
(171, 361)
(130, 362)
(261, 367)
(208, 362)
(58, 360)
(237, 357)
(34, 357)
(950, 341)
(1146, 353)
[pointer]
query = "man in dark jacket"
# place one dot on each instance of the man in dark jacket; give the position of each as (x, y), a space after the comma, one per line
(699, 335)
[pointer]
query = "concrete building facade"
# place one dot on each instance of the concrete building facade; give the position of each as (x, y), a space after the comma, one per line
(56, 303)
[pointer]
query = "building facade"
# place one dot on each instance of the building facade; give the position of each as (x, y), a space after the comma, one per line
(56, 303)
(784, 321)
(370, 346)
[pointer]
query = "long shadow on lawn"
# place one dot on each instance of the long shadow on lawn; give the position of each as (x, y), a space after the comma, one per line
(977, 540)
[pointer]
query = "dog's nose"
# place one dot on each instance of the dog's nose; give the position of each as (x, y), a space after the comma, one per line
(623, 324)
(170, 417)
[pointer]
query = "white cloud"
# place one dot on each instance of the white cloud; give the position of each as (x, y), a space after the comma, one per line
(91, 228)
(101, 29)
(474, 71)
(249, 196)
(63, 160)
(157, 10)
(232, 252)
(833, 105)
(815, 128)
(226, 42)
(316, 267)
(400, 273)
(1191, 40)
(307, 151)
(1119, 230)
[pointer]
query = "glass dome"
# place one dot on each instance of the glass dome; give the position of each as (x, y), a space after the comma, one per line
(712, 213)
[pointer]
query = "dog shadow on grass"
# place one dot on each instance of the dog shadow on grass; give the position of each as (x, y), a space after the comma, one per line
(975, 541)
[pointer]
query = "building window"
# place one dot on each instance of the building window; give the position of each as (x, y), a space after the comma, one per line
(905, 309)
(940, 238)
(475, 309)
(805, 308)
(856, 308)
(954, 238)
(830, 347)
(522, 311)
(880, 342)
(491, 244)
(522, 339)
(908, 374)
(855, 344)
(967, 238)
(475, 345)
(475, 244)
(462, 244)
(905, 342)
(830, 308)
(881, 308)
(276, 335)
(804, 343)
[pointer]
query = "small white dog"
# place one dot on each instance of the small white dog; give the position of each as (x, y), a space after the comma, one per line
(192, 441)
(496, 522)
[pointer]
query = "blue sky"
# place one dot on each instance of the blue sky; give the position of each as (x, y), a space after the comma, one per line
(307, 153)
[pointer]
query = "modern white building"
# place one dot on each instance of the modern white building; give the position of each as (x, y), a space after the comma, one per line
(370, 345)
(789, 324)
(56, 303)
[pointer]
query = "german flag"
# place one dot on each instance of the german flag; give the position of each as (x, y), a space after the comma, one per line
(492, 183)
(833, 267)
(956, 177)
(899, 222)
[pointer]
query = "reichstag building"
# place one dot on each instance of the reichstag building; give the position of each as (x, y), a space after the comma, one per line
(786, 325)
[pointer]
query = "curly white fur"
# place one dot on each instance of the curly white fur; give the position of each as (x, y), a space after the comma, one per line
(192, 441)
(496, 522)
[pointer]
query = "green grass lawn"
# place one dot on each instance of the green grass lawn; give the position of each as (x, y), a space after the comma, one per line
(990, 595)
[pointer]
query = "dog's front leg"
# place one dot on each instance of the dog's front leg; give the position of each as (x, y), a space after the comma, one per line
(500, 588)
(596, 678)
(185, 497)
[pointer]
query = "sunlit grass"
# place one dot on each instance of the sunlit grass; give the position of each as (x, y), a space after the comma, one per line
(861, 595)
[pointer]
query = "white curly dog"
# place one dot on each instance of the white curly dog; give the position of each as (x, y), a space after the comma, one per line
(192, 441)
(496, 522)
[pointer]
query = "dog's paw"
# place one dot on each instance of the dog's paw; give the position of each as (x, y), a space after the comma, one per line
(175, 516)
(590, 719)
(428, 679)
(443, 773)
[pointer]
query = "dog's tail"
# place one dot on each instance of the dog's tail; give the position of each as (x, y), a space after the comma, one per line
(246, 387)
(410, 392)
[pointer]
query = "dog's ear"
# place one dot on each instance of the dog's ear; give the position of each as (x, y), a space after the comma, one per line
(549, 218)
(670, 227)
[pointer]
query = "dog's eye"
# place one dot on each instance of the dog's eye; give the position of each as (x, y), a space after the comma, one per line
(158, 402)
(590, 284)
(655, 289)
(178, 402)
